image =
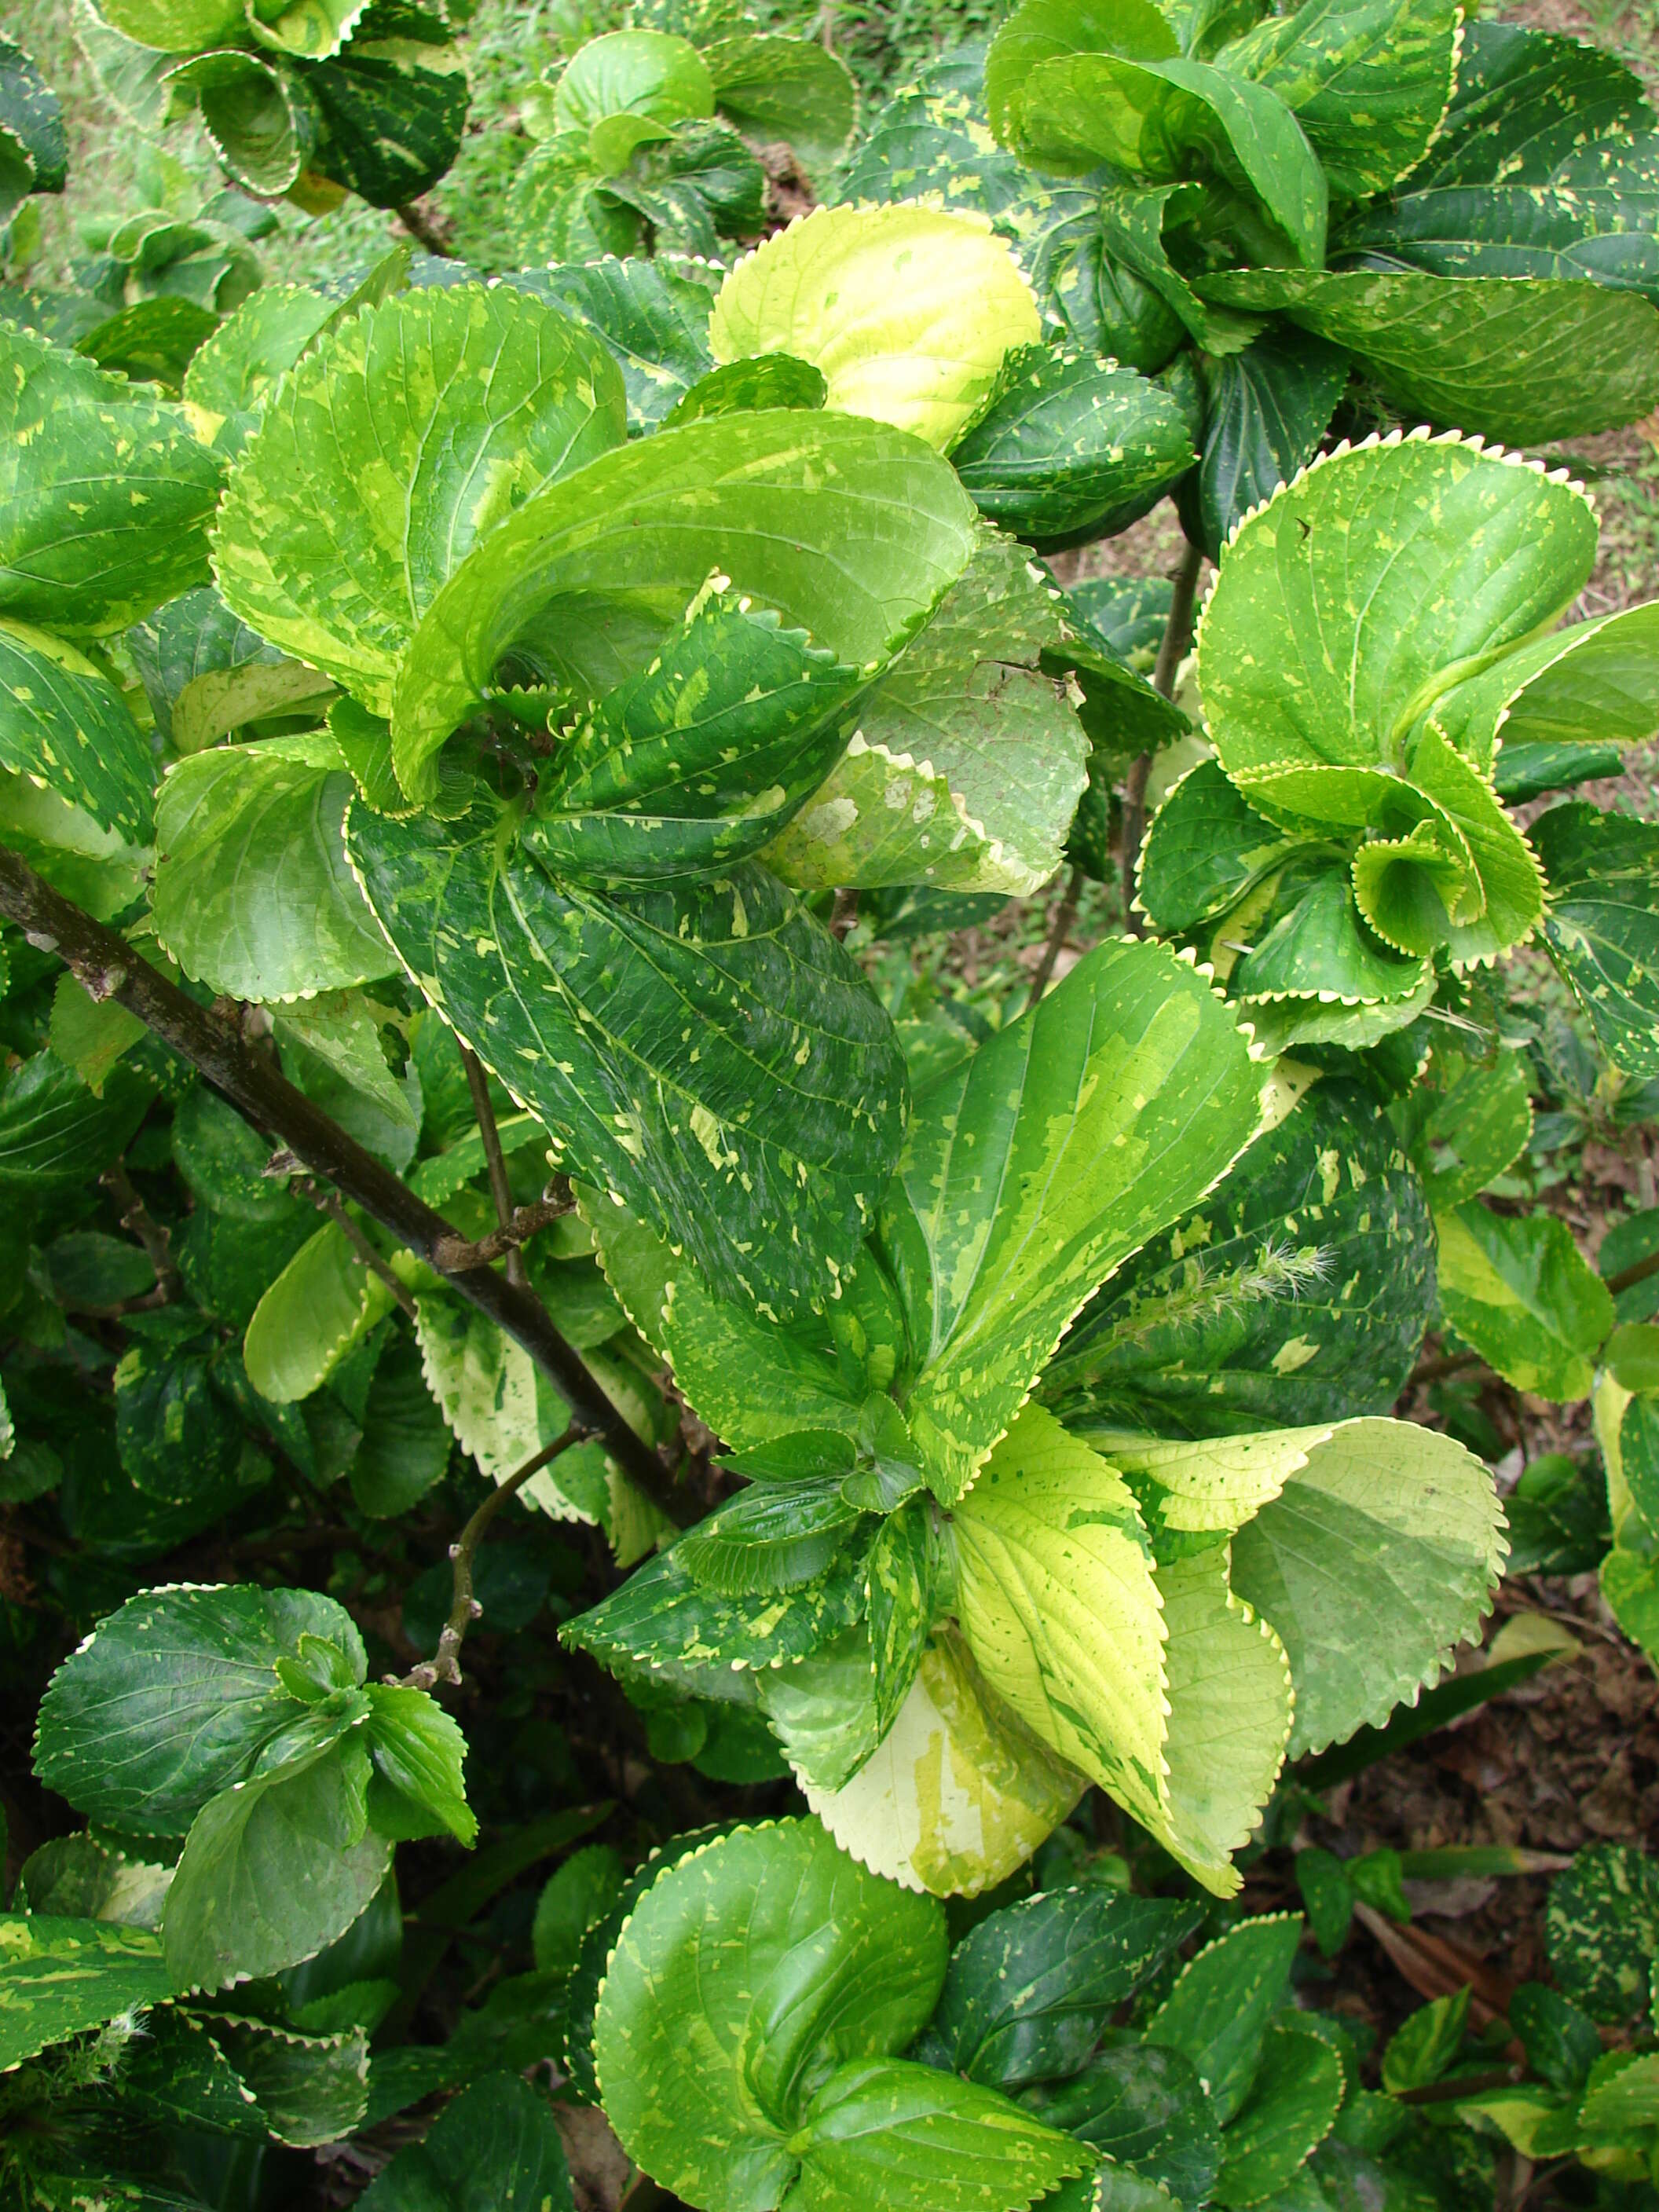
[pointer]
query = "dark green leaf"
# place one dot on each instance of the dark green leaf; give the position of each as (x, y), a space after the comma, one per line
(1219, 2012)
(1147, 2110)
(392, 125)
(60, 1977)
(653, 321)
(497, 2144)
(1603, 924)
(1561, 2043)
(405, 1446)
(1270, 405)
(1601, 1925)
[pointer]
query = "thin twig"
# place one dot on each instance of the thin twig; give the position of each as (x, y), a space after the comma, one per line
(464, 1608)
(1059, 930)
(1443, 1363)
(416, 220)
(263, 1096)
(844, 913)
(1637, 1271)
(455, 1255)
(500, 1190)
(136, 1219)
(329, 1204)
(1171, 651)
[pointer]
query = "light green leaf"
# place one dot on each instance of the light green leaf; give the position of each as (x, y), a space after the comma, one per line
(1219, 2010)
(968, 762)
(1390, 1529)
(106, 493)
(170, 1700)
(743, 1972)
(792, 89)
(418, 1750)
(64, 725)
(176, 26)
(1591, 682)
(652, 320)
(1321, 949)
(273, 1869)
(60, 1977)
(909, 310)
(759, 1129)
(324, 1301)
(501, 1407)
(1215, 1486)
(1426, 2043)
(1048, 30)
(900, 1577)
(254, 894)
(1602, 925)
(908, 2137)
(1292, 2108)
(1057, 1600)
(822, 1710)
(772, 1536)
(1041, 1164)
(959, 1794)
(256, 115)
(497, 2144)
(235, 369)
(1516, 1289)
(1525, 359)
(645, 73)
(397, 444)
(849, 530)
(1465, 1124)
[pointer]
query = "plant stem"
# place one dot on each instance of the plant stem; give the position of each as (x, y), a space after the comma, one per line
(329, 1204)
(500, 1190)
(456, 1254)
(416, 220)
(1171, 651)
(156, 1241)
(1443, 1363)
(1637, 1271)
(1060, 929)
(464, 1608)
(843, 914)
(107, 966)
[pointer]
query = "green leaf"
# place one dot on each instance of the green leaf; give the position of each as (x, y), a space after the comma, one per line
(1369, 80)
(909, 310)
(1205, 849)
(1069, 446)
(1517, 1290)
(176, 1438)
(417, 1751)
(1524, 358)
(966, 764)
(1133, 221)
(1603, 871)
(763, 1147)
(1291, 2108)
(59, 1976)
(1465, 1124)
(176, 27)
(1147, 2110)
(273, 1868)
(172, 1697)
(801, 511)
(1320, 950)
(1561, 2043)
(223, 1160)
(581, 1893)
(254, 894)
(30, 112)
(645, 73)
(405, 1446)
(1048, 30)
(771, 380)
(310, 30)
(1602, 1926)
(1327, 1896)
(1043, 1163)
(1057, 1601)
(907, 2136)
(901, 1577)
(1527, 103)
(65, 726)
(653, 321)
(959, 1793)
(1270, 405)
(771, 1537)
(393, 112)
(741, 1976)
(1427, 2043)
(792, 89)
(106, 495)
(1219, 2010)
(1387, 1524)
(397, 444)
(324, 1301)
(256, 115)
(307, 2089)
(1031, 1990)
(233, 372)
(54, 1131)
(496, 2143)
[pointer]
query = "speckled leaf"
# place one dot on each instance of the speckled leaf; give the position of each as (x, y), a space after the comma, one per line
(908, 2137)
(1057, 1601)
(1220, 2008)
(767, 380)
(253, 894)
(751, 1967)
(1292, 2108)
(968, 763)
(849, 531)
(792, 89)
(1603, 924)
(1321, 950)
(1165, 121)
(1072, 446)
(1524, 358)
(1269, 407)
(324, 1302)
(32, 117)
(498, 2143)
(397, 444)
(558, 208)
(1145, 2108)
(934, 137)
(909, 310)
(1093, 1120)
(822, 1710)
(698, 186)
(1518, 1289)
(1405, 559)
(1373, 1564)
(1132, 221)
(1528, 103)
(60, 1977)
(65, 726)
(663, 1618)
(1369, 80)
(193, 636)
(959, 1793)
(393, 114)
(651, 320)
(1205, 847)
(760, 1132)
(1031, 1989)
(255, 115)
(238, 366)
(501, 1407)
(770, 1537)
(1465, 1124)
(901, 1573)
(1195, 1485)
(1591, 684)
(1048, 30)
(698, 760)
(105, 494)
(171, 1698)
(1601, 1925)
